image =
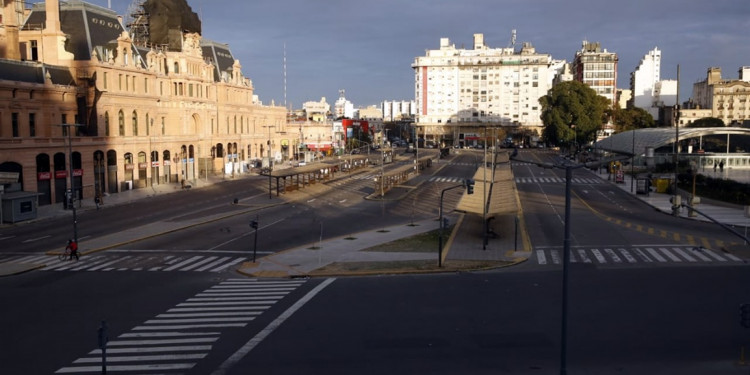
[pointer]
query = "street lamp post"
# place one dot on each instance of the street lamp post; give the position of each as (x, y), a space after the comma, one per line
(71, 197)
(566, 251)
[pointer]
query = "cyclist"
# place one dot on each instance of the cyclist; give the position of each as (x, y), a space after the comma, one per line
(73, 247)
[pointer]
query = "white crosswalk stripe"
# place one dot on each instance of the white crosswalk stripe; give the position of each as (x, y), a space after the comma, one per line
(558, 180)
(104, 262)
(447, 179)
(635, 256)
(179, 338)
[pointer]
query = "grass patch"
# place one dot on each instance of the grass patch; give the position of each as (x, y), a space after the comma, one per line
(421, 243)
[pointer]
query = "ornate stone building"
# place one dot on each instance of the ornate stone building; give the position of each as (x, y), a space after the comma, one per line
(138, 113)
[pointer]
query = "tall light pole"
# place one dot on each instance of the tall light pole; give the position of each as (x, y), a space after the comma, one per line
(270, 165)
(71, 192)
(566, 249)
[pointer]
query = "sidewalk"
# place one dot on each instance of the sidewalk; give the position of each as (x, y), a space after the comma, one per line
(466, 243)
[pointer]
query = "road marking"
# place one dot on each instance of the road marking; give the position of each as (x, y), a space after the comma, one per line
(698, 253)
(162, 342)
(541, 257)
(656, 255)
(142, 358)
(684, 254)
(250, 345)
(178, 265)
(598, 255)
(714, 255)
(627, 255)
(35, 239)
(229, 264)
(612, 255)
(150, 367)
(555, 256)
(642, 255)
(584, 257)
(194, 265)
(670, 255)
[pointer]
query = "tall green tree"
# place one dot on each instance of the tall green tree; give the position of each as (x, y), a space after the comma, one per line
(572, 111)
(707, 122)
(632, 118)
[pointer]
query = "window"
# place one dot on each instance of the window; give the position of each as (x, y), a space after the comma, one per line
(121, 122)
(64, 120)
(135, 124)
(32, 124)
(145, 85)
(106, 123)
(34, 51)
(104, 80)
(14, 123)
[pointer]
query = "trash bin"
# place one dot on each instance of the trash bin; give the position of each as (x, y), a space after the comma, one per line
(662, 185)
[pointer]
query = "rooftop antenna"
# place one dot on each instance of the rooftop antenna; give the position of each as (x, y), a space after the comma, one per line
(512, 43)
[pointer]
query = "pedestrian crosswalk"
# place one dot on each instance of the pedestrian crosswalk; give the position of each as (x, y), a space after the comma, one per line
(455, 180)
(129, 262)
(558, 180)
(635, 256)
(176, 340)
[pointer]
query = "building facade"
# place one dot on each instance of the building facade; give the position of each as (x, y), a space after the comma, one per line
(397, 110)
(597, 68)
(727, 99)
(643, 80)
(78, 88)
(464, 91)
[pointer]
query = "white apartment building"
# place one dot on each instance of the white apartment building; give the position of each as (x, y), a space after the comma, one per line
(643, 80)
(321, 107)
(396, 110)
(649, 91)
(343, 107)
(460, 92)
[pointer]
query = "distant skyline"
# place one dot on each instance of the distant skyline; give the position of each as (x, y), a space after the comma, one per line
(367, 47)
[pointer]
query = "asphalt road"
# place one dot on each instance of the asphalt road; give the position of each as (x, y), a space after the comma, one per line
(633, 321)
(624, 318)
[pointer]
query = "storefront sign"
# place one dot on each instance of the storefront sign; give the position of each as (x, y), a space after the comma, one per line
(77, 172)
(43, 176)
(61, 174)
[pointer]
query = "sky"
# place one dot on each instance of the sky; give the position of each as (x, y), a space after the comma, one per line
(366, 47)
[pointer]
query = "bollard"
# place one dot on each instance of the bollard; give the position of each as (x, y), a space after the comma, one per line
(103, 339)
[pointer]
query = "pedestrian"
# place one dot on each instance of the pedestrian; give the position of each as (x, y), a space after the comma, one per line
(97, 201)
(73, 247)
(721, 166)
(715, 166)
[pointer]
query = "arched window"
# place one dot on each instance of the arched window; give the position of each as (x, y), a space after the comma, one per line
(121, 120)
(106, 124)
(135, 123)
(176, 68)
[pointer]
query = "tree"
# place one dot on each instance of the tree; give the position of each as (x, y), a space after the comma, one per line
(572, 111)
(632, 118)
(707, 122)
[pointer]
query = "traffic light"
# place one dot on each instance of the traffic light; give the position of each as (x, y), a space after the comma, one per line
(469, 186)
(745, 315)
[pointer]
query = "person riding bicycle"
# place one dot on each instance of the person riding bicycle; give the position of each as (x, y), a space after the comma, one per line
(73, 247)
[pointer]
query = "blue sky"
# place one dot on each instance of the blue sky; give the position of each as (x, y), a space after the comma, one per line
(367, 47)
